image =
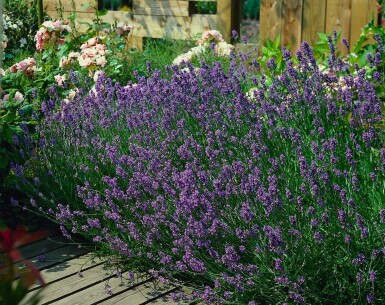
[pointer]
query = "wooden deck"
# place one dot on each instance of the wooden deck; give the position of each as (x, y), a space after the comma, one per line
(74, 276)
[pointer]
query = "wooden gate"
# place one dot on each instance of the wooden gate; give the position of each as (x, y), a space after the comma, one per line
(301, 20)
(159, 18)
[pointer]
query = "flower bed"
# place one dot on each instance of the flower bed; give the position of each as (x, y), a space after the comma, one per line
(268, 196)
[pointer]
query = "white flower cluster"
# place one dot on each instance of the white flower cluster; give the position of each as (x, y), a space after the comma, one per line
(221, 48)
(185, 57)
(14, 27)
(9, 24)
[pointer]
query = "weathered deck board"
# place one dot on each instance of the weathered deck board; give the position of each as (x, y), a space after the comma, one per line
(146, 293)
(60, 270)
(67, 268)
(97, 293)
(42, 246)
(53, 258)
(73, 283)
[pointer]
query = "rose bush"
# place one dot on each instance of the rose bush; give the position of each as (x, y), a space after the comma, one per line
(61, 51)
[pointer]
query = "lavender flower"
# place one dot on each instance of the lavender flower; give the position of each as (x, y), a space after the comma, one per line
(370, 298)
(183, 172)
(372, 275)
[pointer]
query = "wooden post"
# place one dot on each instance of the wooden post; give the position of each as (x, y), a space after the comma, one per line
(229, 17)
(270, 20)
(292, 11)
(362, 12)
(313, 20)
(338, 18)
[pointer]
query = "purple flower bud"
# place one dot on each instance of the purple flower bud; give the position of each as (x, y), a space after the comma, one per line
(370, 298)
(234, 34)
(382, 216)
(372, 275)
(359, 278)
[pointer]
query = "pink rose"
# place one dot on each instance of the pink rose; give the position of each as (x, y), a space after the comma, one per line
(100, 47)
(71, 94)
(13, 69)
(89, 43)
(47, 24)
(101, 52)
(73, 55)
(18, 97)
(46, 36)
(85, 61)
(90, 52)
(22, 65)
(56, 24)
(101, 61)
(60, 79)
(211, 36)
(64, 61)
(30, 61)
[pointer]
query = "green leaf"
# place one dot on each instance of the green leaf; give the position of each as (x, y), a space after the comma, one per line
(114, 62)
(83, 22)
(26, 109)
(265, 50)
(268, 43)
(12, 130)
(103, 12)
(72, 17)
(323, 36)
(11, 105)
(85, 6)
(277, 42)
(9, 117)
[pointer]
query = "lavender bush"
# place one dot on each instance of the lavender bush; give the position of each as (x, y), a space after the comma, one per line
(271, 197)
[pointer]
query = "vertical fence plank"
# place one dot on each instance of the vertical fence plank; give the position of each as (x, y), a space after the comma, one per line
(136, 43)
(270, 20)
(362, 12)
(338, 17)
(292, 23)
(313, 20)
(224, 18)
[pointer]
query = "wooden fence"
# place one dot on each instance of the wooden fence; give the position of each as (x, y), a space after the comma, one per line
(294, 20)
(301, 20)
(159, 18)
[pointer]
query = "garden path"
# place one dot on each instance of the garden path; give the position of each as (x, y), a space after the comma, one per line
(74, 276)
